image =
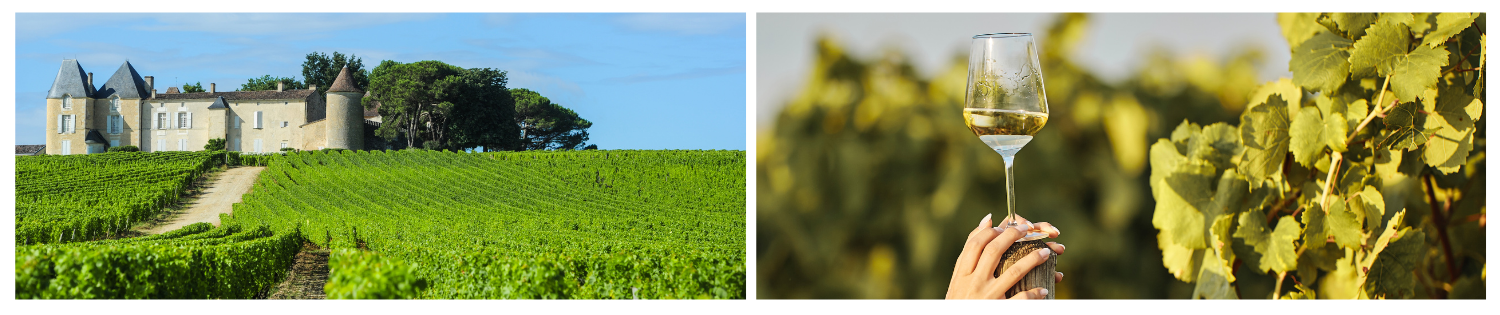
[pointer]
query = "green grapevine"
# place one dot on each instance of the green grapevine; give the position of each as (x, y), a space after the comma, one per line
(1360, 177)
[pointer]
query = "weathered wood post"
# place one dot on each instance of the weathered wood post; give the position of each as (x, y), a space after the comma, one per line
(1044, 275)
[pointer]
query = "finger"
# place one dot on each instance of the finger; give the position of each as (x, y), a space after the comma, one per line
(1033, 294)
(977, 238)
(1018, 270)
(1057, 248)
(1059, 277)
(996, 248)
(1052, 231)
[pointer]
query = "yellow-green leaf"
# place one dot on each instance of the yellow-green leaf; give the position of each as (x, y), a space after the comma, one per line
(1414, 73)
(1307, 136)
(1448, 24)
(1281, 252)
(1321, 63)
(1263, 131)
(1344, 225)
(1354, 24)
(1380, 48)
(1298, 27)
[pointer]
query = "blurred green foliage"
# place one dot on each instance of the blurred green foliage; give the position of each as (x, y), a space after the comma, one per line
(868, 181)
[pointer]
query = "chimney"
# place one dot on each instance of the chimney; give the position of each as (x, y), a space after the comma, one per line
(280, 86)
(91, 79)
(211, 88)
(312, 87)
(151, 84)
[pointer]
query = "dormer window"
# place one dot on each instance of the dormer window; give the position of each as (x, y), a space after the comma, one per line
(114, 104)
(67, 102)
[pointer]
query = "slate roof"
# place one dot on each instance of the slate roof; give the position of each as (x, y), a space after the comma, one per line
(344, 82)
(71, 80)
(374, 110)
(30, 149)
(239, 95)
(125, 83)
(95, 137)
(219, 103)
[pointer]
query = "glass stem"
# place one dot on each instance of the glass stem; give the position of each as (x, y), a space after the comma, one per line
(1010, 189)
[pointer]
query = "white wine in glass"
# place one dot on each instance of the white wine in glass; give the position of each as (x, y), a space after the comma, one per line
(1005, 104)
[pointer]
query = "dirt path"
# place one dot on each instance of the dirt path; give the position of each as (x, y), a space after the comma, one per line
(306, 278)
(215, 199)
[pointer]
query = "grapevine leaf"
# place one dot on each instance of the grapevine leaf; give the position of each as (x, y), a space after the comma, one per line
(1181, 204)
(1416, 72)
(1321, 63)
(1422, 22)
(1448, 149)
(1298, 27)
(1214, 279)
(1454, 109)
(1448, 24)
(1222, 240)
(1182, 262)
(1404, 133)
(1344, 225)
(1396, 18)
(1343, 281)
(1369, 206)
(1216, 144)
(1291, 95)
(1263, 130)
(1281, 252)
(1253, 229)
(1378, 51)
(1334, 131)
(1354, 24)
(1356, 112)
(1307, 136)
(1164, 158)
(1302, 293)
(1185, 131)
(1315, 230)
(1391, 275)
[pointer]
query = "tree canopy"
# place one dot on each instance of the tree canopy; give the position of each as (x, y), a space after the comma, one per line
(196, 87)
(436, 106)
(546, 125)
(320, 70)
(268, 82)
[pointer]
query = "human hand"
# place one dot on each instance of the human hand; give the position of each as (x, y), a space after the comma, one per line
(974, 273)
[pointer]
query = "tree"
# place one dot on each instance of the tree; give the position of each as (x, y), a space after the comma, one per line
(196, 87)
(268, 82)
(215, 144)
(320, 70)
(482, 111)
(411, 100)
(545, 125)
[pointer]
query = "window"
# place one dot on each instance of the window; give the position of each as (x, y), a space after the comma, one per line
(160, 145)
(114, 104)
(114, 143)
(259, 116)
(183, 121)
(234, 121)
(65, 123)
(257, 146)
(181, 144)
(283, 124)
(283, 145)
(116, 124)
(67, 147)
(67, 103)
(161, 120)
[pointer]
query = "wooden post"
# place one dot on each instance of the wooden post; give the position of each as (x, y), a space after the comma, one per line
(1044, 275)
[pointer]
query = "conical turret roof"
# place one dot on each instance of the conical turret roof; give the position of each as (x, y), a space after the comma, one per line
(71, 80)
(126, 83)
(344, 82)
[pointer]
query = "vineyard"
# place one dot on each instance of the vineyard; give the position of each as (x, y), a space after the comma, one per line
(424, 224)
(65, 198)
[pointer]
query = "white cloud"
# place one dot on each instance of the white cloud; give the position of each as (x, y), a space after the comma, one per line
(683, 23)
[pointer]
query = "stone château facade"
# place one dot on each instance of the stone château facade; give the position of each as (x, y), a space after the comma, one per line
(127, 110)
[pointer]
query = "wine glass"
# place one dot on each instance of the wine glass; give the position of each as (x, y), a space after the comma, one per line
(1005, 103)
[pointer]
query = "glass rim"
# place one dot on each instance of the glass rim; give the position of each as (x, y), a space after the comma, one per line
(1002, 35)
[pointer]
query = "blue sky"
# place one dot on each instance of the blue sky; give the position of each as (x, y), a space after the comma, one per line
(646, 81)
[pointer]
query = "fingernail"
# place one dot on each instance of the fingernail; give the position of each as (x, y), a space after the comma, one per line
(985, 219)
(998, 229)
(1044, 291)
(1061, 274)
(1044, 252)
(1024, 227)
(1056, 231)
(1065, 247)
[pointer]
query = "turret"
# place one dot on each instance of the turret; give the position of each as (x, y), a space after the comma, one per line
(345, 115)
(67, 105)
